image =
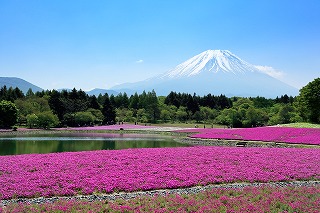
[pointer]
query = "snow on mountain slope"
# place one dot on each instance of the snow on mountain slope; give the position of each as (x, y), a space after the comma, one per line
(211, 61)
(216, 72)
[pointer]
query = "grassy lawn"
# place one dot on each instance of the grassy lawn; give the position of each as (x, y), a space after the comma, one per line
(301, 125)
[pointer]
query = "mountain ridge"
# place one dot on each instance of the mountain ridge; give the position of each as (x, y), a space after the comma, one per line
(216, 72)
(22, 84)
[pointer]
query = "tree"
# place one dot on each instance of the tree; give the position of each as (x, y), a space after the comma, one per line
(84, 118)
(129, 116)
(32, 120)
(3, 93)
(8, 114)
(198, 116)
(192, 104)
(172, 99)
(93, 102)
(47, 119)
(165, 115)
(152, 106)
(206, 113)
(108, 111)
(255, 117)
(125, 100)
(143, 100)
(10, 94)
(29, 93)
(173, 109)
(308, 101)
(182, 114)
(121, 114)
(56, 104)
(142, 116)
(98, 116)
(229, 117)
(134, 101)
(262, 102)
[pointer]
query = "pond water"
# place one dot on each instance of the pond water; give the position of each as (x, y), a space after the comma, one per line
(74, 142)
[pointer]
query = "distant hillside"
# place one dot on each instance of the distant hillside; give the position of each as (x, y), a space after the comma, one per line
(98, 91)
(20, 83)
(95, 92)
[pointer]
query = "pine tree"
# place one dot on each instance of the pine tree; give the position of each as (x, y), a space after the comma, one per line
(93, 102)
(108, 111)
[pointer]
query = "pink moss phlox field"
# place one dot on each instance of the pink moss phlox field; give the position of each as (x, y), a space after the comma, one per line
(272, 134)
(108, 171)
(249, 199)
(108, 127)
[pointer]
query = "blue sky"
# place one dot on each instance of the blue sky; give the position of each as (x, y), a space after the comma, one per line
(97, 44)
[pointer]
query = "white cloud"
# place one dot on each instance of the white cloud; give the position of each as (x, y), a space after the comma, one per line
(282, 76)
(139, 61)
(271, 71)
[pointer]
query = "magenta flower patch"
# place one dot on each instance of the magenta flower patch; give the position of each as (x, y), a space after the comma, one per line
(66, 174)
(272, 134)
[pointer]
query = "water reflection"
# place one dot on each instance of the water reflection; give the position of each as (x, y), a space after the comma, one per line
(15, 145)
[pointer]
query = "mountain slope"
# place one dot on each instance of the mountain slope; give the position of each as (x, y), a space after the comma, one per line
(216, 72)
(14, 82)
(210, 61)
(98, 91)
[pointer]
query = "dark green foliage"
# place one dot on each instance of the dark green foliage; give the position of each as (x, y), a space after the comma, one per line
(65, 104)
(8, 114)
(32, 120)
(120, 101)
(29, 93)
(84, 118)
(56, 104)
(75, 101)
(262, 102)
(152, 106)
(112, 100)
(100, 99)
(10, 94)
(194, 102)
(47, 120)
(108, 111)
(308, 101)
(284, 99)
(76, 108)
(134, 101)
(173, 99)
(93, 102)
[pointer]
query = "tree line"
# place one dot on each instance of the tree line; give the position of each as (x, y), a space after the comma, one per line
(52, 108)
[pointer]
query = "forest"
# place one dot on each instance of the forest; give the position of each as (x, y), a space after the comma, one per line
(52, 108)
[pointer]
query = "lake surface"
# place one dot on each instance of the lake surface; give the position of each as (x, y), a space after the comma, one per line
(74, 142)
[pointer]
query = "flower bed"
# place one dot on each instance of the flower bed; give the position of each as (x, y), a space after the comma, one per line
(272, 134)
(250, 199)
(145, 169)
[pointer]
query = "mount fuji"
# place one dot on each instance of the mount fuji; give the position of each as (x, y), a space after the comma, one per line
(216, 72)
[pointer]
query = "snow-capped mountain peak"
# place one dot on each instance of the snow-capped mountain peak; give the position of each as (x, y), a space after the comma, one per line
(210, 61)
(216, 72)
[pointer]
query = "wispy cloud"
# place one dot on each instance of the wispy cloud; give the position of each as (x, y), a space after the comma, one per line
(271, 71)
(282, 76)
(139, 61)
